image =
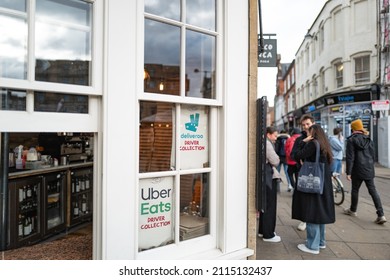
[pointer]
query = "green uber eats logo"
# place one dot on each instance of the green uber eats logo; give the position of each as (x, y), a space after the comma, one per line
(194, 122)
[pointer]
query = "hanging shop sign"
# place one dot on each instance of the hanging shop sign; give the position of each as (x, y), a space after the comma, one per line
(194, 137)
(267, 58)
(380, 105)
(155, 212)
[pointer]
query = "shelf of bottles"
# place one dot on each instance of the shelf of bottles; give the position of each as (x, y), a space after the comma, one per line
(55, 206)
(27, 225)
(81, 194)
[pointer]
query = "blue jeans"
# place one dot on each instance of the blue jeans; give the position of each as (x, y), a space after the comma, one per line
(315, 236)
(336, 166)
(285, 166)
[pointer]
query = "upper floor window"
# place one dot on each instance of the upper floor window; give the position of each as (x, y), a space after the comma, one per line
(362, 69)
(61, 38)
(165, 25)
(321, 39)
(339, 74)
(338, 25)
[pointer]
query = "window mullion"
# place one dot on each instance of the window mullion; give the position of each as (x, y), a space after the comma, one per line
(177, 177)
(31, 40)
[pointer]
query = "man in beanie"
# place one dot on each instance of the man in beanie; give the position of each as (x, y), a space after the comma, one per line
(360, 167)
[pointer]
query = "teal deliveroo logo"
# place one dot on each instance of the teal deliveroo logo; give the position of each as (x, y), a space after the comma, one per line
(194, 122)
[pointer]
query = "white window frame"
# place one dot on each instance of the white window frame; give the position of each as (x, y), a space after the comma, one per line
(209, 241)
(97, 58)
(360, 57)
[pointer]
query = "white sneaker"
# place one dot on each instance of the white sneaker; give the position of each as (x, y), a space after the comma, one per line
(322, 246)
(289, 188)
(274, 239)
(259, 235)
(303, 248)
(301, 226)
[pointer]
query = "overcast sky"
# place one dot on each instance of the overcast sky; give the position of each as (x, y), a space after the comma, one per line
(289, 20)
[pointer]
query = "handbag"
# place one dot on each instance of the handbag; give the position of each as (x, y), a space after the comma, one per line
(311, 175)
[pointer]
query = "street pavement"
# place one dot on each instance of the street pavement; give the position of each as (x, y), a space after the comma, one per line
(349, 238)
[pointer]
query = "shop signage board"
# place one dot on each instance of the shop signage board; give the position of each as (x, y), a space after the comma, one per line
(267, 58)
(194, 137)
(380, 105)
(156, 224)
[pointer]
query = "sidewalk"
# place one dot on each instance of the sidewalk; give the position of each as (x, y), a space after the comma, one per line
(349, 238)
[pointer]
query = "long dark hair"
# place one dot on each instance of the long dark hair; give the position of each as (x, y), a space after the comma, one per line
(318, 133)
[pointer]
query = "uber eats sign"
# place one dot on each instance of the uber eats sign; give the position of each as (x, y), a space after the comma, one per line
(267, 58)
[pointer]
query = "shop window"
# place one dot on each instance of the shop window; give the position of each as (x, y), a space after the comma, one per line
(164, 28)
(62, 38)
(13, 39)
(60, 103)
(12, 100)
(190, 174)
(339, 67)
(362, 69)
(63, 42)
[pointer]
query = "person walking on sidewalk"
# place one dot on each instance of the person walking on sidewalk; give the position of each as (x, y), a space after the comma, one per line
(316, 210)
(306, 122)
(292, 168)
(337, 144)
(267, 219)
(280, 145)
(360, 167)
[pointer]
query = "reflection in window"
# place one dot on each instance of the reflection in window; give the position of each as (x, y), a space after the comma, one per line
(201, 13)
(63, 41)
(13, 40)
(156, 151)
(62, 103)
(12, 100)
(194, 206)
(200, 65)
(162, 58)
(168, 9)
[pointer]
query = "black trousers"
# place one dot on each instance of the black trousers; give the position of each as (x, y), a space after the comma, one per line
(267, 222)
(292, 171)
(356, 183)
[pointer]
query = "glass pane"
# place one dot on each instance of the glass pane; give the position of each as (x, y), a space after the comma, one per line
(63, 103)
(162, 58)
(194, 137)
(201, 13)
(18, 5)
(12, 100)
(200, 65)
(168, 9)
(156, 137)
(194, 206)
(63, 42)
(13, 47)
(156, 213)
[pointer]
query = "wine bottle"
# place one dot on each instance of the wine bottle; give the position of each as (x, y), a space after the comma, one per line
(77, 185)
(76, 210)
(84, 204)
(26, 227)
(20, 224)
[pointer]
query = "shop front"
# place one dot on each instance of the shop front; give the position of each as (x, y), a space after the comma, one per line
(145, 101)
(340, 109)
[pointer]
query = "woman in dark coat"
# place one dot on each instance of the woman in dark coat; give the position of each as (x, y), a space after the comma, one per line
(315, 209)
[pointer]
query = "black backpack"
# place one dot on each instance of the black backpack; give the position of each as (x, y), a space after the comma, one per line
(279, 146)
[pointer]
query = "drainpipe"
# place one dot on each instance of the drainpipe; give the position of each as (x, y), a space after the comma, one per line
(4, 157)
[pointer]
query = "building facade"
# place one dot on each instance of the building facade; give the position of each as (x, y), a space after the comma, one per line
(337, 66)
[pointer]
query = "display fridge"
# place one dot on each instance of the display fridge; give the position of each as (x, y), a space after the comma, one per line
(54, 197)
